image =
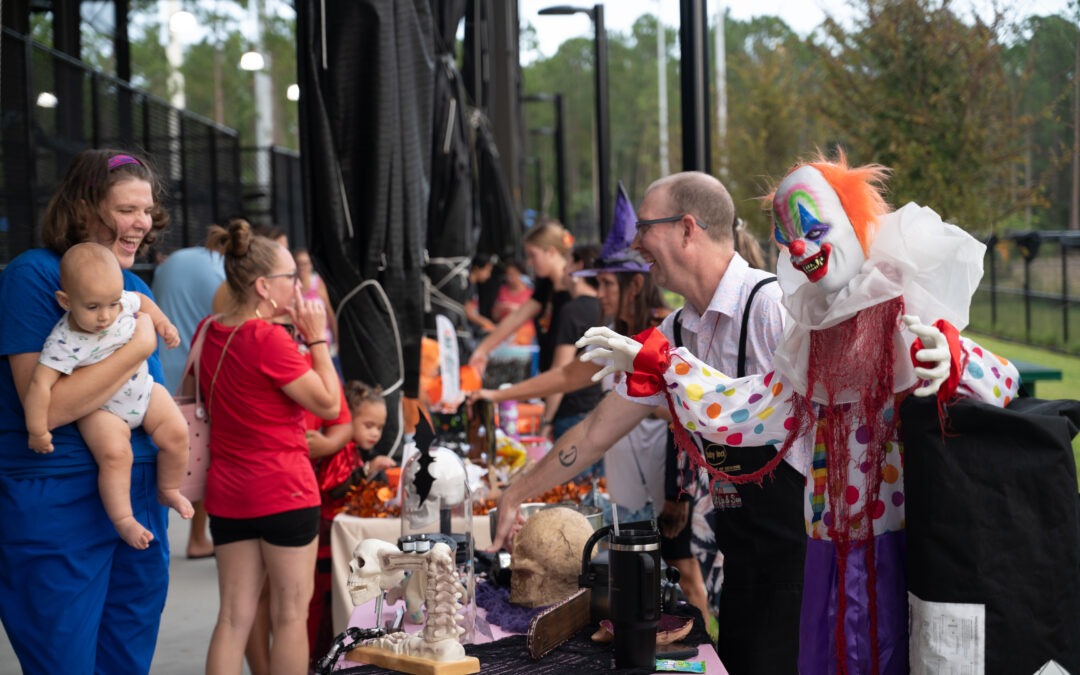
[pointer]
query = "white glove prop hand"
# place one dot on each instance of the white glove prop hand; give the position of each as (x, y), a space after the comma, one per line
(619, 349)
(935, 350)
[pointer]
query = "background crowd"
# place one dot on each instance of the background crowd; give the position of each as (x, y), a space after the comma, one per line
(284, 419)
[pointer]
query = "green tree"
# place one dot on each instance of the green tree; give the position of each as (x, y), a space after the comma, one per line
(916, 89)
(1040, 63)
(770, 121)
(634, 117)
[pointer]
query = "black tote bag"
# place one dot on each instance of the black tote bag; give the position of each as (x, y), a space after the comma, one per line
(993, 519)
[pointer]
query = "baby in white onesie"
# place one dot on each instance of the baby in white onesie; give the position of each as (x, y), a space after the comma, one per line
(99, 319)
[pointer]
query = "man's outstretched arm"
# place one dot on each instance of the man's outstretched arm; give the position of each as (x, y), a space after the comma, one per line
(575, 451)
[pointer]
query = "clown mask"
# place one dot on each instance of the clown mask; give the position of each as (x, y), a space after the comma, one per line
(810, 222)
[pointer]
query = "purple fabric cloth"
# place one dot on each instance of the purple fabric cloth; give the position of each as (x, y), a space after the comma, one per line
(501, 612)
(817, 630)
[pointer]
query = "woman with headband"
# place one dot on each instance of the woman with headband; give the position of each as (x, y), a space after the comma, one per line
(64, 570)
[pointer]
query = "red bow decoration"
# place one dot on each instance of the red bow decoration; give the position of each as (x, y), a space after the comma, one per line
(650, 364)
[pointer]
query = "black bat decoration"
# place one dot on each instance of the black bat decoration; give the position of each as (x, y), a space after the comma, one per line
(423, 480)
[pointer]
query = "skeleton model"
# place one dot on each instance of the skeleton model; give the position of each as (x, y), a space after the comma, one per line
(378, 566)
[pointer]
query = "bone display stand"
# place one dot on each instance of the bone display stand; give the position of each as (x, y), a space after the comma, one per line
(436, 649)
(377, 656)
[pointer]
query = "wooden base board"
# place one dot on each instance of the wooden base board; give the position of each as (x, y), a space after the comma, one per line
(413, 664)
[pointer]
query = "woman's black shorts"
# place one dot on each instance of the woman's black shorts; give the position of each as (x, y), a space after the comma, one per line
(289, 528)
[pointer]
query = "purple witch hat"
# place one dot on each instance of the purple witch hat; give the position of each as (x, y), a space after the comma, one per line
(617, 255)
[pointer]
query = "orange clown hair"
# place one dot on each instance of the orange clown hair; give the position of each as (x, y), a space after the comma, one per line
(860, 190)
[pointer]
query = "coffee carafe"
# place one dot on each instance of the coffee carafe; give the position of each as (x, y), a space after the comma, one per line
(633, 589)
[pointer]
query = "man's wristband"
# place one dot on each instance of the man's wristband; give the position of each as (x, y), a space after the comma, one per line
(547, 423)
(316, 342)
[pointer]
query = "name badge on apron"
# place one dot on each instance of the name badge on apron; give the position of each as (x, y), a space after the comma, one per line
(725, 495)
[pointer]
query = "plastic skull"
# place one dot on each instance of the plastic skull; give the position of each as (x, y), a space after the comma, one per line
(547, 557)
(367, 579)
(448, 489)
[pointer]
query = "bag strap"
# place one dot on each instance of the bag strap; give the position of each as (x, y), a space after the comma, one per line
(193, 357)
(213, 380)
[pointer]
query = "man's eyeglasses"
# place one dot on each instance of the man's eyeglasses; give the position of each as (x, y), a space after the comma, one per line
(294, 275)
(643, 226)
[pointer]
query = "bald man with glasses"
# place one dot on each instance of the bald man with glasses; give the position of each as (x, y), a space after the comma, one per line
(686, 234)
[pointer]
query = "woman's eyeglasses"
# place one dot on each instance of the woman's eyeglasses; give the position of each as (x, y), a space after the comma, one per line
(294, 275)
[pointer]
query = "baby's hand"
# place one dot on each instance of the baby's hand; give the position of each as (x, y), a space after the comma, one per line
(41, 443)
(168, 332)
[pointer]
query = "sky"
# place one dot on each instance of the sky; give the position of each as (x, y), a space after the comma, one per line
(802, 15)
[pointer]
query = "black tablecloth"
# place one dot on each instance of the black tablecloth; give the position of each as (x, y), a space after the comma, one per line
(579, 655)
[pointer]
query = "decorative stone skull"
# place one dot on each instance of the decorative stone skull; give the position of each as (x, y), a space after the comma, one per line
(366, 576)
(447, 491)
(547, 557)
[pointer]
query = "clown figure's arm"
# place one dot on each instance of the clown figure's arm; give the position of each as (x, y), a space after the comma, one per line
(745, 411)
(987, 377)
(952, 365)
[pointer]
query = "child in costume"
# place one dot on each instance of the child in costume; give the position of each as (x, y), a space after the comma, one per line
(854, 275)
(99, 319)
(340, 452)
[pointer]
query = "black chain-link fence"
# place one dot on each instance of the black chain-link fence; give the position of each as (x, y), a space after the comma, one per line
(273, 190)
(54, 106)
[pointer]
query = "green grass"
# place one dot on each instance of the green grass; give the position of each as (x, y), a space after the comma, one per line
(1068, 387)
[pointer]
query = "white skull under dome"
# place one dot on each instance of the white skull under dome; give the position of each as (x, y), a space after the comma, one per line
(424, 498)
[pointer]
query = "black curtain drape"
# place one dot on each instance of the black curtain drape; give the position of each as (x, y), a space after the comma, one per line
(366, 70)
(402, 184)
(451, 231)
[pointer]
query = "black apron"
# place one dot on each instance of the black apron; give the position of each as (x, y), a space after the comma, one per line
(760, 530)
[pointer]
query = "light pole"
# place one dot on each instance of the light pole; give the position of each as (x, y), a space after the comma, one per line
(560, 149)
(603, 138)
(254, 61)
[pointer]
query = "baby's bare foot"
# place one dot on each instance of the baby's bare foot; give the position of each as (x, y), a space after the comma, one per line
(133, 533)
(177, 502)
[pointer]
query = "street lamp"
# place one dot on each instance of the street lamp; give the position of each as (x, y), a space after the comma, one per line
(252, 60)
(603, 139)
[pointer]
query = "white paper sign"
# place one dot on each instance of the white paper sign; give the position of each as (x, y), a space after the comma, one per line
(449, 361)
(947, 638)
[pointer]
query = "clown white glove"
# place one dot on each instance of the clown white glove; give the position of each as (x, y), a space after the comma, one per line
(935, 351)
(618, 349)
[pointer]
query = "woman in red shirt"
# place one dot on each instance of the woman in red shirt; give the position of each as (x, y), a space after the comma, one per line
(261, 493)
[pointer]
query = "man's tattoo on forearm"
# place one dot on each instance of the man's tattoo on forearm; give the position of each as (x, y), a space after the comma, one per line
(568, 456)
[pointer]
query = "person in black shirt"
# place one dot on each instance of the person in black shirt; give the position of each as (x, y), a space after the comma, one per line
(547, 247)
(582, 312)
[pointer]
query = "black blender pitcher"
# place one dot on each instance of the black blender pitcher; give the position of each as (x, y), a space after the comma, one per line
(633, 589)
